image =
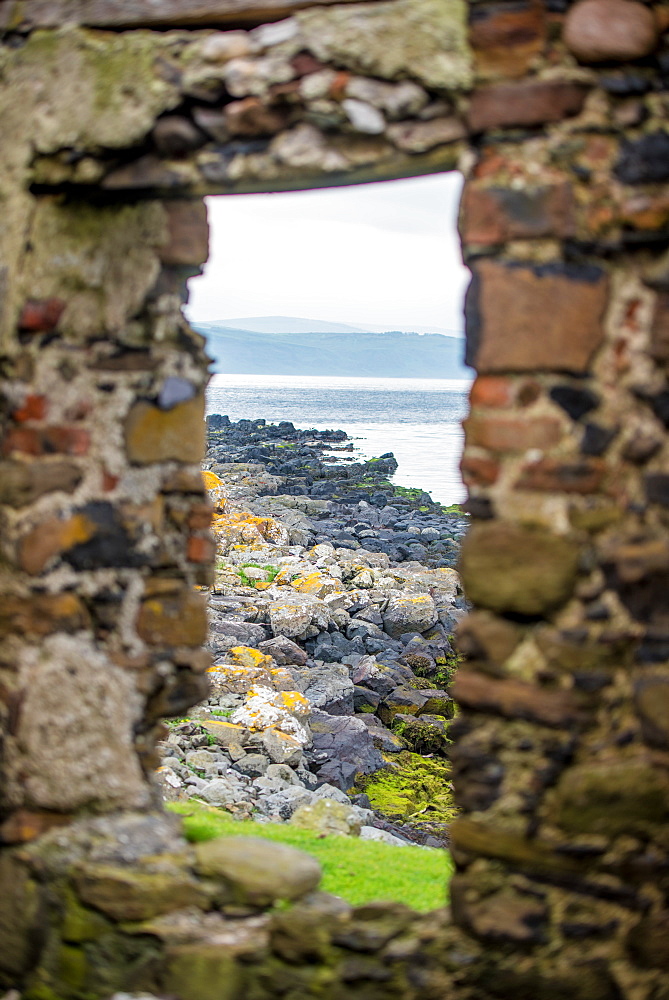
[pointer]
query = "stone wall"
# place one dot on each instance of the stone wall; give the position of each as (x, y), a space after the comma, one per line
(116, 120)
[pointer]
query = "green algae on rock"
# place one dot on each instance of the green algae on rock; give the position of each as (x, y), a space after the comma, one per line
(413, 788)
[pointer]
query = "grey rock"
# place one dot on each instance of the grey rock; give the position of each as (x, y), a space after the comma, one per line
(257, 872)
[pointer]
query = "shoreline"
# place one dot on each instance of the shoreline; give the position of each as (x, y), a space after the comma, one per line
(331, 613)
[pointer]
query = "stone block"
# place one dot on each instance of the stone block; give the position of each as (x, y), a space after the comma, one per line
(516, 568)
(42, 614)
(173, 619)
(552, 475)
(598, 31)
(651, 701)
(255, 872)
(202, 969)
(479, 471)
(516, 700)
(548, 317)
(20, 918)
(624, 797)
(46, 441)
(125, 893)
(506, 433)
(174, 435)
(502, 916)
(188, 233)
(492, 215)
(525, 104)
(21, 483)
(647, 941)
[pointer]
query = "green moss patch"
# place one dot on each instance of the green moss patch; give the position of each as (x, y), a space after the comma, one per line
(360, 871)
(413, 789)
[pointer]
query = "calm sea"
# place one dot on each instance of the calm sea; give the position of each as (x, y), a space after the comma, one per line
(417, 419)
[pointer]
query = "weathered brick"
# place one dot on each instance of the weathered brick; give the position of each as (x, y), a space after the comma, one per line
(581, 476)
(41, 315)
(175, 435)
(506, 433)
(547, 317)
(188, 233)
(492, 390)
(479, 471)
(517, 568)
(525, 104)
(34, 407)
(506, 37)
(200, 550)
(492, 215)
(46, 441)
(173, 619)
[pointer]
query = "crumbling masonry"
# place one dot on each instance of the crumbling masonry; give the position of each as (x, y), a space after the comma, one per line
(116, 119)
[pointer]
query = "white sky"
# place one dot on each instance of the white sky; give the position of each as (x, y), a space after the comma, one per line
(383, 254)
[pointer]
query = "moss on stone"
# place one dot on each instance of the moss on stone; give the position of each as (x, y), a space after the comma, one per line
(412, 788)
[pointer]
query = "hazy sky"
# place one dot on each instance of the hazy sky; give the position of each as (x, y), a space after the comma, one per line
(382, 254)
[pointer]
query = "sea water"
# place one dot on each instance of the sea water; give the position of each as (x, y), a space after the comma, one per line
(416, 418)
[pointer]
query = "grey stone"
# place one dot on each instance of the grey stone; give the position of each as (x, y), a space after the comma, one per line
(256, 871)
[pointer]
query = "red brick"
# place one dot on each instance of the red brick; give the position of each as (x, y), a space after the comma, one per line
(41, 315)
(506, 38)
(512, 433)
(492, 390)
(581, 476)
(478, 471)
(32, 408)
(188, 233)
(492, 215)
(543, 318)
(526, 104)
(49, 441)
(109, 482)
(200, 549)
(199, 516)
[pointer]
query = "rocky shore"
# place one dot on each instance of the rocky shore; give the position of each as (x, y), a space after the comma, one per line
(331, 617)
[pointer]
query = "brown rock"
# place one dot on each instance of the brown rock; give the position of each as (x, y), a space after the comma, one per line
(546, 318)
(176, 136)
(493, 215)
(515, 699)
(516, 568)
(188, 233)
(487, 637)
(610, 30)
(255, 872)
(550, 474)
(525, 105)
(42, 614)
(502, 433)
(506, 37)
(25, 825)
(250, 117)
(20, 918)
(174, 435)
(659, 336)
(46, 441)
(50, 538)
(418, 137)
(492, 390)
(173, 620)
(23, 482)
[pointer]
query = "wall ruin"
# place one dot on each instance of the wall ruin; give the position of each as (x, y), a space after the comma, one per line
(117, 119)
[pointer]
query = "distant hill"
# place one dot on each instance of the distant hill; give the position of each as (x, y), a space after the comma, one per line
(299, 324)
(347, 352)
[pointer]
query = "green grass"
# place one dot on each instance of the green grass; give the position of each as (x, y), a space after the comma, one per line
(272, 573)
(360, 871)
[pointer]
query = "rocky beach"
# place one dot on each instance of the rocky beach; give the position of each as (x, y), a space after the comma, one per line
(331, 615)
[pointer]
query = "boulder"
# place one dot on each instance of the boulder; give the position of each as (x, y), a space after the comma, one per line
(409, 613)
(328, 817)
(257, 872)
